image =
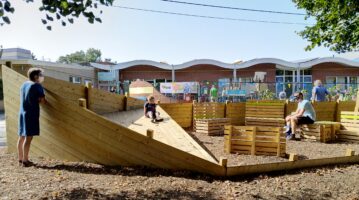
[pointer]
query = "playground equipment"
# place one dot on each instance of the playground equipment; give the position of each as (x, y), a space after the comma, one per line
(255, 140)
(81, 123)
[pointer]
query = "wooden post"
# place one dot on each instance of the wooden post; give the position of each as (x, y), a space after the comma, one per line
(279, 131)
(149, 133)
(193, 114)
(357, 103)
(82, 102)
(229, 141)
(88, 94)
(223, 161)
(125, 103)
(349, 152)
(293, 157)
(253, 147)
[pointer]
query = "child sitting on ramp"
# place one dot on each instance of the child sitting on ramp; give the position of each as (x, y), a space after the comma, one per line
(150, 110)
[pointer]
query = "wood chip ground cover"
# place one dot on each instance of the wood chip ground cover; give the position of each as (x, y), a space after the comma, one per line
(52, 179)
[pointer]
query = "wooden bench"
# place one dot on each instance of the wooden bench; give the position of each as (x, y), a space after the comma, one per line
(211, 127)
(255, 140)
(321, 131)
(265, 113)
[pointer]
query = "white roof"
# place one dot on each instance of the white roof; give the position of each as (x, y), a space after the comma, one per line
(303, 64)
(45, 63)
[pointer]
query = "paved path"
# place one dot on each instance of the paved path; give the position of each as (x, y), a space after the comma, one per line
(2, 130)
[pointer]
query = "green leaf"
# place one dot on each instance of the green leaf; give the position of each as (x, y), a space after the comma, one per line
(64, 4)
(98, 19)
(6, 19)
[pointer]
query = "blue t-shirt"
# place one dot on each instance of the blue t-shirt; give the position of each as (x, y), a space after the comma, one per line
(308, 109)
(29, 113)
(320, 93)
(150, 107)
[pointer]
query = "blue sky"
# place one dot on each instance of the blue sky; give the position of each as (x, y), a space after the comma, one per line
(126, 35)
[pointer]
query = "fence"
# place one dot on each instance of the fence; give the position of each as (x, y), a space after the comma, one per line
(185, 113)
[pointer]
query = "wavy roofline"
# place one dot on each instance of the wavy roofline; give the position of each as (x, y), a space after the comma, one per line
(283, 63)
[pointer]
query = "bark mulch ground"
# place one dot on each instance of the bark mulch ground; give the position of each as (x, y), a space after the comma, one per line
(52, 179)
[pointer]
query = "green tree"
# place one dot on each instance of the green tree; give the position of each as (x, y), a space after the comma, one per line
(91, 55)
(337, 24)
(61, 10)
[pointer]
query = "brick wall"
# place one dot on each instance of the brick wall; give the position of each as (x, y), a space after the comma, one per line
(195, 73)
(249, 72)
(203, 72)
(145, 72)
(323, 70)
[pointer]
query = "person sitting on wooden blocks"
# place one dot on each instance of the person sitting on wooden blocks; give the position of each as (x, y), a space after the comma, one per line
(150, 110)
(305, 114)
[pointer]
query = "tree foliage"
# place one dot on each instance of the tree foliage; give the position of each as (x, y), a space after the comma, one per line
(337, 24)
(91, 55)
(59, 10)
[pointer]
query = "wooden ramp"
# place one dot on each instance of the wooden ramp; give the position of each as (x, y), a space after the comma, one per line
(168, 131)
(73, 133)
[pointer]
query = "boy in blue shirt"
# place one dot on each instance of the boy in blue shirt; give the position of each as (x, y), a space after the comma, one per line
(305, 114)
(150, 110)
(31, 95)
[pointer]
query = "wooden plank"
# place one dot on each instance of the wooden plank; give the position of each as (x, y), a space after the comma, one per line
(290, 165)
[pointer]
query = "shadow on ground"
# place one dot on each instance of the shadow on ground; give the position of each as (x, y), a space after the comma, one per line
(90, 193)
(88, 168)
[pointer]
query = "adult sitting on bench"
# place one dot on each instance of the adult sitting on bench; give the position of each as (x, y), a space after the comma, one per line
(305, 114)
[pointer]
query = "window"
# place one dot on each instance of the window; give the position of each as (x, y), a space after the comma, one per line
(87, 81)
(245, 79)
(74, 79)
(342, 82)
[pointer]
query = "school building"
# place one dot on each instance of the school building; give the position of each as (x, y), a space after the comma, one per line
(21, 60)
(280, 75)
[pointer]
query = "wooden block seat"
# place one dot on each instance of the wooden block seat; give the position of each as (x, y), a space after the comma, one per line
(257, 121)
(321, 131)
(255, 140)
(349, 126)
(211, 127)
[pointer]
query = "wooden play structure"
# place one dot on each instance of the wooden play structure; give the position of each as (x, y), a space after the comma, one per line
(81, 123)
(255, 140)
(212, 127)
(265, 113)
(350, 124)
(321, 131)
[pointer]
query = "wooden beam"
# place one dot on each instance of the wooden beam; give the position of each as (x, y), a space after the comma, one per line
(293, 157)
(82, 103)
(350, 152)
(223, 161)
(149, 133)
(290, 165)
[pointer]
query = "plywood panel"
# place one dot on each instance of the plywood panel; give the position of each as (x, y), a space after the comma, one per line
(180, 112)
(236, 112)
(208, 110)
(325, 111)
(344, 106)
(101, 101)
